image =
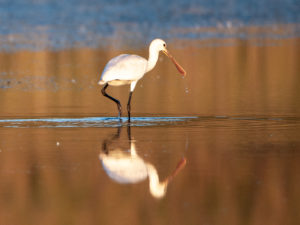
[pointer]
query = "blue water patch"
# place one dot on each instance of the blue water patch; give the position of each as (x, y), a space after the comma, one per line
(102, 122)
(71, 23)
(89, 122)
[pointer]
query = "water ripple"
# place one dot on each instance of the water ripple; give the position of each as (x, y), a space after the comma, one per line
(89, 122)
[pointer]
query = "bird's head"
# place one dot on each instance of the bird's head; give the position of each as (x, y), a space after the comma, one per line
(160, 45)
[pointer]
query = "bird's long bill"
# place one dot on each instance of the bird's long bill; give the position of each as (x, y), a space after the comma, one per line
(179, 68)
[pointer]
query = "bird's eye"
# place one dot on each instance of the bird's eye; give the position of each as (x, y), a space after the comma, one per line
(164, 44)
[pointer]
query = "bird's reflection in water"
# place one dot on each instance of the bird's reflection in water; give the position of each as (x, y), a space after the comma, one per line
(127, 167)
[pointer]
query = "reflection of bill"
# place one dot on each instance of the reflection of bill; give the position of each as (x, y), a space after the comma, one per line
(124, 167)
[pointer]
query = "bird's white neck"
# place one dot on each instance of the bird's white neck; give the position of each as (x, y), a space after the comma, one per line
(153, 57)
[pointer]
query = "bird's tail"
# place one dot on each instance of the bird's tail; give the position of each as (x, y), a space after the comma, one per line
(101, 82)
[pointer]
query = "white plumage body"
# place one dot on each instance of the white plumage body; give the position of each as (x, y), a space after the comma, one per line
(124, 69)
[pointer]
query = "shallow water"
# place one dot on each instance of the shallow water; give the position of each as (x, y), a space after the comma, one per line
(237, 169)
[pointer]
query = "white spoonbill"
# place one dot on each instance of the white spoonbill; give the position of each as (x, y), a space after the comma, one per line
(128, 69)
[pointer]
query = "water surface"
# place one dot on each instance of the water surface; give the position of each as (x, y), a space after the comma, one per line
(46, 24)
(237, 170)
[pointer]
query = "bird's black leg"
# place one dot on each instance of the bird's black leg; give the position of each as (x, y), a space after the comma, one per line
(128, 106)
(115, 100)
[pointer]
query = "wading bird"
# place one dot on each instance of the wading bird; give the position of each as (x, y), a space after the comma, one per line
(128, 69)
